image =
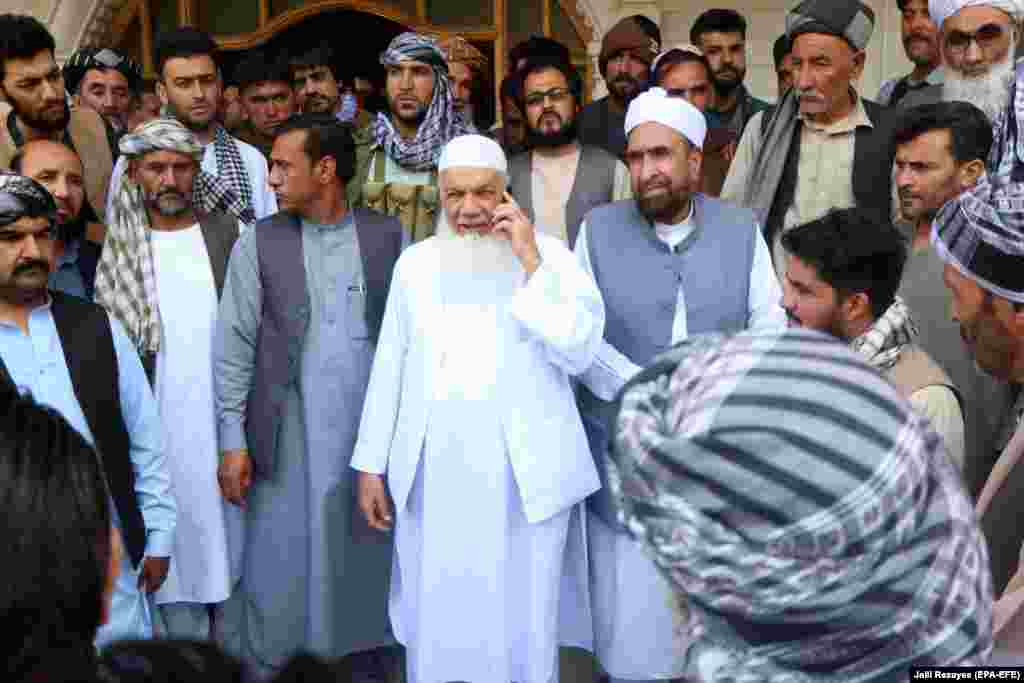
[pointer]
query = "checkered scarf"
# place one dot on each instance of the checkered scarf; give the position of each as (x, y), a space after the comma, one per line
(882, 344)
(125, 276)
(233, 193)
(981, 234)
(807, 514)
(441, 123)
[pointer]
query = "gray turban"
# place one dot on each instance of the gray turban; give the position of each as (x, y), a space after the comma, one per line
(848, 19)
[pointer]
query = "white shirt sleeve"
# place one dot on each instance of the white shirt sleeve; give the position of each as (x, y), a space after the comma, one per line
(610, 369)
(264, 201)
(765, 297)
(940, 406)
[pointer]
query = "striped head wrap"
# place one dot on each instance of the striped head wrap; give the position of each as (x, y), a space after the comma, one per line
(441, 123)
(981, 234)
(21, 196)
(87, 58)
(850, 20)
(811, 523)
(125, 276)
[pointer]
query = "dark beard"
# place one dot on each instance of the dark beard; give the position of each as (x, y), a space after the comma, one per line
(565, 135)
(726, 88)
(662, 209)
(39, 123)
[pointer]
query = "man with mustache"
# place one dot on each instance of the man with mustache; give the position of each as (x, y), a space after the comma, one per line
(842, 275)
(921, 44)
(670, 263)
(940, 152)
(160, 275)
(559, 180)
(296, 335)
(189, 86)
(627, 51)
(74, 356)
(59, 169)
(33, 85)
(265, 88)
(721, 34)
(469, 424)
(466, 69)
(979, 43)
(823, 146)
(396, 156)
(319, 88)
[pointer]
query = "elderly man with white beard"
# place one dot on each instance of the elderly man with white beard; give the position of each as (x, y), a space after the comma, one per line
(979, 42)
(470, 416)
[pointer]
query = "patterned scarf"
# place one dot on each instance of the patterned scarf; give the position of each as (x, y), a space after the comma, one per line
(441, 123)
(125, 276)
(234, 191)
(806, 513)
(882, 344)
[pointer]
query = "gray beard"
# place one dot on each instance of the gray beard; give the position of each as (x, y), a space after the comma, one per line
(990, 92)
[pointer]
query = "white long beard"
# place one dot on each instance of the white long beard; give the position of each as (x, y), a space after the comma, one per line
(476, 269)
(990, 93)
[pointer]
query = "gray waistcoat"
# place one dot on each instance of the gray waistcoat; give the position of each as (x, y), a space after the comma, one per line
(593, 186)
(639, 278)
(286, 314)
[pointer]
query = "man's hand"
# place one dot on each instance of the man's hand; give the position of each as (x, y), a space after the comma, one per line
(235, 475)
(373, 501)
(154, 573)
(512, 224)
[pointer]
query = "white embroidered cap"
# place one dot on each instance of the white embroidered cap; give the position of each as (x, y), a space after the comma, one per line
(473, 151)
(656, 106)
(940, 10)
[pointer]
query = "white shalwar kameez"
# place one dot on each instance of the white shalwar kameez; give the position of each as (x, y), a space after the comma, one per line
(506, 589)
(199, 572)
(479, 593)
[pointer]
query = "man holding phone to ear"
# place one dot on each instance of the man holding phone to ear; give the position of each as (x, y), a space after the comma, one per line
(485, 324)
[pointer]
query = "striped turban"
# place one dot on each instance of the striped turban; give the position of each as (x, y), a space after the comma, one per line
(125, 277)
(850, 20)
(441, 122)
(812, 524)
(87, 58)
(981, 234)
(21, 196)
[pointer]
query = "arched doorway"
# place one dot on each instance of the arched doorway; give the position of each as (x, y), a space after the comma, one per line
(327, 28)
(493, 26)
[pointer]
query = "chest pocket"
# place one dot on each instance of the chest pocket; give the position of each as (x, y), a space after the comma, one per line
(356, 302)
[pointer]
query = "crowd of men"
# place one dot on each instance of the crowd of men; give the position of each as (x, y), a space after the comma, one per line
(709, 387)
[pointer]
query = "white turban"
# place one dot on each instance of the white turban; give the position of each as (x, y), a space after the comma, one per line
(675, 112)
(940, 10)
(473, 151)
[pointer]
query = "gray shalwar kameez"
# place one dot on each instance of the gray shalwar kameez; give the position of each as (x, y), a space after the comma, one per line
(314, 576)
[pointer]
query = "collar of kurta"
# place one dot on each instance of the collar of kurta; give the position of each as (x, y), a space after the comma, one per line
(857, 118)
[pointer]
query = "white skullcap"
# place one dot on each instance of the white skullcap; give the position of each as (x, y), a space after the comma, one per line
(675, 112)
(940, 10)
(473, 151)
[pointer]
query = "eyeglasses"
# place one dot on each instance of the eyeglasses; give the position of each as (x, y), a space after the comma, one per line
(987, 37)
(557, 95)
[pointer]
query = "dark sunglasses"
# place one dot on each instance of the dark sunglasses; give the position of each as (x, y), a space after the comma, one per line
(987, 37)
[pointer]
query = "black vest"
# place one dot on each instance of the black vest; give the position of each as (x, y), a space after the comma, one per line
(873, 153)
(85, 336)
(286, 314)
(593, 186)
